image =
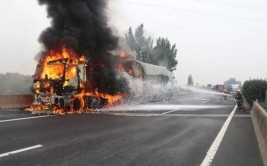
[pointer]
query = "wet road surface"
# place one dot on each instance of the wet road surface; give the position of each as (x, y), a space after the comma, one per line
(151, 134)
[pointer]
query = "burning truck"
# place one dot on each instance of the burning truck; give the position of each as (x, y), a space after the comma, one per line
(77, 69)
(62, 83)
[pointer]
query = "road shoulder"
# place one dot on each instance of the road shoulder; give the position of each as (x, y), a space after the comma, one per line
(239, 146)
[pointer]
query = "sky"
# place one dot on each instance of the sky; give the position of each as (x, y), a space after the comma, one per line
(216, 39)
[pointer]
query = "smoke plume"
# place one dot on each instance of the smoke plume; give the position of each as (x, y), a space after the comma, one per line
(81, 25)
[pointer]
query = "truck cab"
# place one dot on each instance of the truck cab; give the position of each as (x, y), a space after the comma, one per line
(60, 83)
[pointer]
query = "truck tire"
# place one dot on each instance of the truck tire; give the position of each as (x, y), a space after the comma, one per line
(77, 104)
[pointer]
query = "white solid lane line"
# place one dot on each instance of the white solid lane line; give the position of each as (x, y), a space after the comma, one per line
(168, 112)
(20, 150)
(216, 143)
(32, 117)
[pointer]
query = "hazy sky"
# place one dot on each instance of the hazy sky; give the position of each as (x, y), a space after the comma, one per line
(216, 39)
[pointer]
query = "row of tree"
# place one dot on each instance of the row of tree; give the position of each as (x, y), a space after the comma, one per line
(162, 54)
(14, 83)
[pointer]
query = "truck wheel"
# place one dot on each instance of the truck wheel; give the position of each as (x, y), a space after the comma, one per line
(77, 104)
(95, 103)
(61, 103)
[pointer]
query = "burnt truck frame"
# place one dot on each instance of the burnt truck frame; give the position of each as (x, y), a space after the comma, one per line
(62, 92)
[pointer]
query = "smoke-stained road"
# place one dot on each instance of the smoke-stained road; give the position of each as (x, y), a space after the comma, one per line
(162, 135)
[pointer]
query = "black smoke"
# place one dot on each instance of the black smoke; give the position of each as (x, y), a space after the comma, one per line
(82, 26)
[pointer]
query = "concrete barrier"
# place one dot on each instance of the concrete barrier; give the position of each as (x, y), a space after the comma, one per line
(16, 101)
(246, 105)
(260, 115)
(259, 119)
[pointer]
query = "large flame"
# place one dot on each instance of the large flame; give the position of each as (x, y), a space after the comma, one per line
(56, 71)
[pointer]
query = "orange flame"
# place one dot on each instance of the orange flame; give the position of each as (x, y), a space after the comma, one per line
(56, 71)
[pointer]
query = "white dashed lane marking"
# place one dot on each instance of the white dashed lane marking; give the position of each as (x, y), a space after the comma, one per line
(168, 112)
(18, 119)
(20, 150)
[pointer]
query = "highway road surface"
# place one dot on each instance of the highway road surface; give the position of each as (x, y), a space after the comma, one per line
(193, 131)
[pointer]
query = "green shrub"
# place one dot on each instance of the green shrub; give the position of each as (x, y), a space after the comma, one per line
(254, 89)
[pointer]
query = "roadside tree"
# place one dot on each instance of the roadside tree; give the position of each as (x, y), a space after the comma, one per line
(140, 44)
(190, 81)
(163, 53)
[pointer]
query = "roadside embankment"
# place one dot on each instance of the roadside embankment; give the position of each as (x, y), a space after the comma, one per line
(15, 101)
(259, 119)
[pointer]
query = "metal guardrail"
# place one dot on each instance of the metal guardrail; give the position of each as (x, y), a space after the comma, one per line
(16, 101)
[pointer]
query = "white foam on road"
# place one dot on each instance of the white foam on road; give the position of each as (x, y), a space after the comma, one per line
(176, 115)
(153, 107)
(168, 115)
(216, 143)
(20, 150)
(18, 119)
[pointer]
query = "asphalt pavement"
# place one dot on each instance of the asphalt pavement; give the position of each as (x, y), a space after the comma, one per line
(162, 133)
